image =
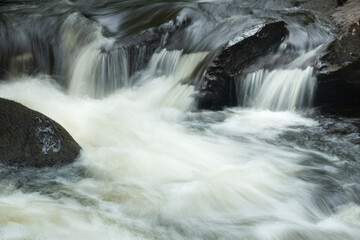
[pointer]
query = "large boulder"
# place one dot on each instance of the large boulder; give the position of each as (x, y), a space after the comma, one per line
(339, 78)
(30, 139)
(217, 89)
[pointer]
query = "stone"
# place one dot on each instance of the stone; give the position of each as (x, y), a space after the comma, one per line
(217, 89)
(325, 7)
(30, 139)
(339, 77)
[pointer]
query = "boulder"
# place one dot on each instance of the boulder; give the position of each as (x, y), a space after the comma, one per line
(339, 78)
(217, 89)
(30, 139)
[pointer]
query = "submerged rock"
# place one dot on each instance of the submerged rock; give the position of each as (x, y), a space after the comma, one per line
(339, 79)
(217, 90)
(30, 139)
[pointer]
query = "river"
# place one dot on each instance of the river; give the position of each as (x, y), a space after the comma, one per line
(152, 165)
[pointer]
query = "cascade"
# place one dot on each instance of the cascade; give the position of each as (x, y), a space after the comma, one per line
(278, 89)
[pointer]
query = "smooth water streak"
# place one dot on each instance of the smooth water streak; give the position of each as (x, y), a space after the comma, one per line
(277, 90)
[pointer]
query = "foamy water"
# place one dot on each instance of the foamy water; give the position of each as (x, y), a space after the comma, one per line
(152, 177)
(152, 166)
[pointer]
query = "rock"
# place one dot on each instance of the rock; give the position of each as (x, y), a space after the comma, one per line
(341, 2)
(141, 46)
(30, 139)
(323, 6)
(217, 90)
(339, 78)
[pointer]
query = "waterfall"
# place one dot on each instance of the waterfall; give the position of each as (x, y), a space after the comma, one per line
(167, 70)
(97, 74)
(277, 90)
(96, 66)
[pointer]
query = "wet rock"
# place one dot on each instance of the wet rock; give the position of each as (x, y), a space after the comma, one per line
(217, 90)
(30, 139)
(339, 78)
(140, 47)
(323, 6)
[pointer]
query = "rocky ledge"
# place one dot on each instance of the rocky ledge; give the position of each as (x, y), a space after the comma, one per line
(339, 78)
(217, 89)
(30, 139)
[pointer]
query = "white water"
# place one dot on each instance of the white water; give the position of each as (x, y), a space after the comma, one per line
(279, 90)
(92, 67)
(155, 178)
(289, 88)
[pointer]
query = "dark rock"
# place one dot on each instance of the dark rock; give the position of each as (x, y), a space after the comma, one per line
(141, 46)
(341, 2)
(339, 79)
(217, 90)
(30, 139)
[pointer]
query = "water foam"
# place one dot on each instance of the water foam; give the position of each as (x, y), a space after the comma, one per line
(154, 178)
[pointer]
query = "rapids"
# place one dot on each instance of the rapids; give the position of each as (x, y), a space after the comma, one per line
(152, 165)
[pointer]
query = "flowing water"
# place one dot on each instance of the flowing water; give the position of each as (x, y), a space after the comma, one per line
(152, 165)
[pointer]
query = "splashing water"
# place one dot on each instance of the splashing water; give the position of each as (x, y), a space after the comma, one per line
(153, 167)
(152, 177)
